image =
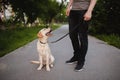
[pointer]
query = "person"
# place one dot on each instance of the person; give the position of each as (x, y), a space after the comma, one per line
(79, 13)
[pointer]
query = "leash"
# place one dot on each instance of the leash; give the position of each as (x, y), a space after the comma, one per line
(65, 34)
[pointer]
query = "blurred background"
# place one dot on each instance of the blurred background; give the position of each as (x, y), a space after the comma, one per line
(20, 20)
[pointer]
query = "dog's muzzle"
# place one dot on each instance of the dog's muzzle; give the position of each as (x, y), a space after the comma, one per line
(48, 33)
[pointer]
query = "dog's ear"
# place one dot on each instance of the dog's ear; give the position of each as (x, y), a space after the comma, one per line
(40, 35)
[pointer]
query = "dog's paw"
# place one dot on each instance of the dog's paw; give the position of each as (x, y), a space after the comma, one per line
(51, 65)
(47, 69)
(39, 68)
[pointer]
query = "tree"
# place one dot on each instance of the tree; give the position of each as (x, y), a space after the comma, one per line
(46, 9)
(51, 10)
(113, 15)
(106, 17)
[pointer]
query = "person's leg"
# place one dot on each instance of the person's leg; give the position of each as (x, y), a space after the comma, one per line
(73, 21)
(83, 51)
(83, 37)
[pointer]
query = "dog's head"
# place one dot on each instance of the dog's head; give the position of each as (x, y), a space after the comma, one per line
(44, 33)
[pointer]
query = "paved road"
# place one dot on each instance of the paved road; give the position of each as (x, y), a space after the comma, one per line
(102, 61)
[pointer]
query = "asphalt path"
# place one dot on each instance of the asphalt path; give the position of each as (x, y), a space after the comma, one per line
(102, 61)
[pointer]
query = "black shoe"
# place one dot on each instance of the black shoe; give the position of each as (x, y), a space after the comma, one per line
(71, 61)
(79, 67)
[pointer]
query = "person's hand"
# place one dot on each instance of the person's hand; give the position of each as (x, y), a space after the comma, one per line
(87, 16)
(67, 11)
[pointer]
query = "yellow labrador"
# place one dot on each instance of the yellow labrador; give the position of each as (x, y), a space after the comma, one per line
(45, 56)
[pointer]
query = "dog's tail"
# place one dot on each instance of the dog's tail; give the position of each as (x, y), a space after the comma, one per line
(35, 62)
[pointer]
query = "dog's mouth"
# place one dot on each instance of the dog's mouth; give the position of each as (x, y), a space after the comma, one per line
(49, 33)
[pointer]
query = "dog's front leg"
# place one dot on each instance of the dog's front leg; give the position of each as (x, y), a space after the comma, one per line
(51, 61)
(41, 63)
(47, 63)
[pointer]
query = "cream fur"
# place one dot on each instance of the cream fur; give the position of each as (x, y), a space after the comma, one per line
(44, 53)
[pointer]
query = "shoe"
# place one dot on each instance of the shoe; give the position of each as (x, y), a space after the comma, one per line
(79, 67)
(71, 61)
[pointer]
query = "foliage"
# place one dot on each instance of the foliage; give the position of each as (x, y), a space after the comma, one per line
(45, 9)
(106, 17)
(111, 39)
(14, 38)
(61, 17)
(113, 15)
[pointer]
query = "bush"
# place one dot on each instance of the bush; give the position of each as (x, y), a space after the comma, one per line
(111, 39)
(106, 17)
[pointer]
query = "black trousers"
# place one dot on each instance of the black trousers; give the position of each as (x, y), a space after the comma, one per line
(79, 35)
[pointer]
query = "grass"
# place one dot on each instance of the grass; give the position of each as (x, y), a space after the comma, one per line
(111, 39)
(14, 38)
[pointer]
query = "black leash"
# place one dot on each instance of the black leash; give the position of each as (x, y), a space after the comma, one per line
(65, 35)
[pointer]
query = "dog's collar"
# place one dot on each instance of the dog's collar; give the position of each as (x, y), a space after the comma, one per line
(42, 42)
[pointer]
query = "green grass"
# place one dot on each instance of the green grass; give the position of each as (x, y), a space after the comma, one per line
(15, 38)
(111, 39)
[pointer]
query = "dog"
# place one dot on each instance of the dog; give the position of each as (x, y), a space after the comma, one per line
(45, 56)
